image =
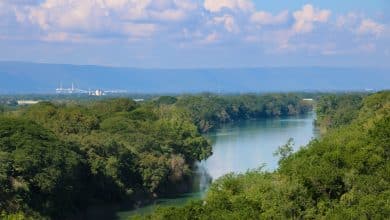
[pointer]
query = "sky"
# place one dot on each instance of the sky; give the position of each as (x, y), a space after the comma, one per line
(197, 33)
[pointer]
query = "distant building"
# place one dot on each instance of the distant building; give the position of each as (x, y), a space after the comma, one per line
(97, 92)
(307, 99)
(27, 102)
(138, 100)
(71, 90)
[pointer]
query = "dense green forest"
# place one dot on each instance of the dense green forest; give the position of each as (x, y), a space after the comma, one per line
(58, 158)
(337, 110)
(342, 175)
(208, 111)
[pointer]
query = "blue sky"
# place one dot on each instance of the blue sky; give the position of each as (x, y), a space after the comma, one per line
(197, 33)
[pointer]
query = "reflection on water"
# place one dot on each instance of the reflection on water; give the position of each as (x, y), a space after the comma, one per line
(238, 147)
(245, 145)
(202, 179)
(201, 182)
(177, 201)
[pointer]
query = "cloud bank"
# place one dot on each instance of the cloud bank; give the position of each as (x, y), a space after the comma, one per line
(192, 23)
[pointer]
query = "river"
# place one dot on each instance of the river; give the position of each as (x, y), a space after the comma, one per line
(238, 147)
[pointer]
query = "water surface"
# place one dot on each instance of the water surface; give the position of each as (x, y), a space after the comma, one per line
(245, 145)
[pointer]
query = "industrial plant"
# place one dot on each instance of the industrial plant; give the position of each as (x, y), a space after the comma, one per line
(92, 92)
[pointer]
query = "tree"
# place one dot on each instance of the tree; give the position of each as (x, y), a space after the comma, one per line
(37, 171)
(285, 151)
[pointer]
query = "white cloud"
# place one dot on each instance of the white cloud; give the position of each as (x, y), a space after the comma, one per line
(368, 26)
(265, 18)
(119, 4)
(228, 21)
(218, 5)
(169, 15)
(135, 18)
(6, 11)
(138, 30)
(368, 47)
(345, 21)
(190, 22)
(305, 18)
(360, 25)
(277, 40)
(211, 38)
(187, 5)
(133, 10)
(86, 15)
(62, 37)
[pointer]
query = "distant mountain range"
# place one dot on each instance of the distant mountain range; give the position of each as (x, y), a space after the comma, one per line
(19, 77)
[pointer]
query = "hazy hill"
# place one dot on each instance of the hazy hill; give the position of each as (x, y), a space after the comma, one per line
(18, 77)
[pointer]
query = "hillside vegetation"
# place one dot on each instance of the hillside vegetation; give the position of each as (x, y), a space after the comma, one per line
(343, 175)
(337, 110)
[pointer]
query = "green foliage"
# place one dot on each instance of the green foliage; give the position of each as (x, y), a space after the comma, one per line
(110, 106)
(21, 216)
(345, 174)
(337, 110)
(56, 159)
(166, 100)
(36, 169)
(208, 111)
(285, 151)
